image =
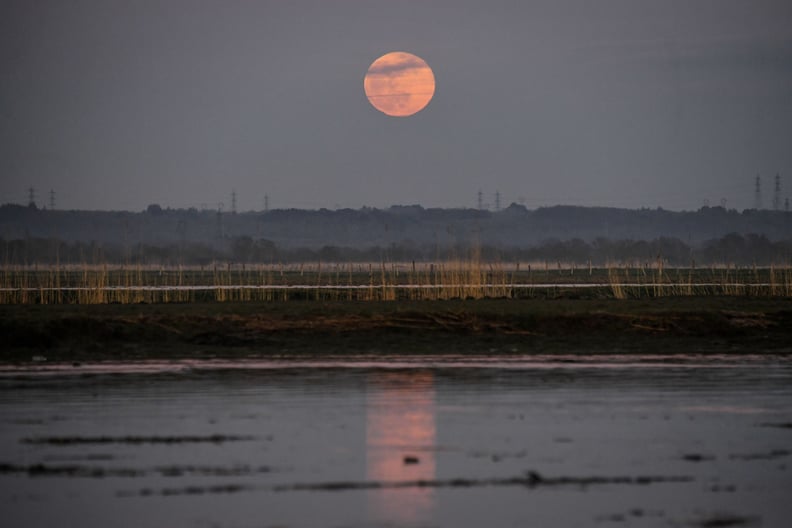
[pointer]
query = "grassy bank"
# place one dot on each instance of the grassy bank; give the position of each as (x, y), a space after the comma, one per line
(690, 324)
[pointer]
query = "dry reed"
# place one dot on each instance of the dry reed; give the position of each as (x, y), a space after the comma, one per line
(463, 278)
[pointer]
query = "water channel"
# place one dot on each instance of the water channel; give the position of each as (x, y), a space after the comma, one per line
(399, 441)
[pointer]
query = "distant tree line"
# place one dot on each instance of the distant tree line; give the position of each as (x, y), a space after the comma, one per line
(730, 249)
(365, 228)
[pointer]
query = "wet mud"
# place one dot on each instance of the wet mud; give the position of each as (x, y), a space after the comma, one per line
(81, 333)
(42, 470)
(531, 479)
(184, 439)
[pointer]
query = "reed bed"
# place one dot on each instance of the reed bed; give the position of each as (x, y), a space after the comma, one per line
(468, 278)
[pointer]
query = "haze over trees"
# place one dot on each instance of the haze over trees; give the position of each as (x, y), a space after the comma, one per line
(569, 234)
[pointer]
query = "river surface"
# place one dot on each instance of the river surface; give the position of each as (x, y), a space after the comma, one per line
(400, 441)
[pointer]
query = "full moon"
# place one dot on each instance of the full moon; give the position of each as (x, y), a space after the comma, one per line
(399, 84)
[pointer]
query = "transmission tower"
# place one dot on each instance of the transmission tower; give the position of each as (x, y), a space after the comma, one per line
(786, 204)
(219, 216)
(233, 202)
(266, 203)
(31, 197)
(758, 193)
(777, 193)
(497, 201)
(52, 199)
(480, 200)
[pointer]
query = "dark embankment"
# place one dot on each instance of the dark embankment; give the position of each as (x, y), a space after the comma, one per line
(660, 325)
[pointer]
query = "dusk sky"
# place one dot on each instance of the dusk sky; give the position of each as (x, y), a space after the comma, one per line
(630, 103)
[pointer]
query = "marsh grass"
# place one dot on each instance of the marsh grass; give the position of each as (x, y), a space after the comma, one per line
(461, 278)
(723, 280)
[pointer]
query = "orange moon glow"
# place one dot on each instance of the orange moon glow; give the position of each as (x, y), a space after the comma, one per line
(399, 84)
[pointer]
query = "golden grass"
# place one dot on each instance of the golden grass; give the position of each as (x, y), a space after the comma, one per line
(463, 278)
(727, 280)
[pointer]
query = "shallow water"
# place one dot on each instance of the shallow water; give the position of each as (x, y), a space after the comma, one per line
(399, 441)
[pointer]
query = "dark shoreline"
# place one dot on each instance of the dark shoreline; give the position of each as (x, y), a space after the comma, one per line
(712, 324)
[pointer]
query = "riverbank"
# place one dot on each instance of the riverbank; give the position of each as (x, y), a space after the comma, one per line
(253, 329)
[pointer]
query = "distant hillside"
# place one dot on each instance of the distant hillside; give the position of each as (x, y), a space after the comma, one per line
(513, 227)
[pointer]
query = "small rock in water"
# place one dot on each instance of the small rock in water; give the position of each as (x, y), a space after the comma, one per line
(697, 457)
(780, 425)
(409, 459)
(722, 521)
(534, 477)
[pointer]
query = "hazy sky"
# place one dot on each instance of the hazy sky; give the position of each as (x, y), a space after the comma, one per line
(119, 104)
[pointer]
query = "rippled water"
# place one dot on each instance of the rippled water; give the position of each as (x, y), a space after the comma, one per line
(399, 441)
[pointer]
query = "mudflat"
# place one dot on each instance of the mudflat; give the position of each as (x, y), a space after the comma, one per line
(705, 324)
